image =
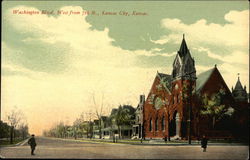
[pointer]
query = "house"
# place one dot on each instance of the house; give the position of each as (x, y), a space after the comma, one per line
(137, 131)
(107, 128)
(98, 127)
(121, 120)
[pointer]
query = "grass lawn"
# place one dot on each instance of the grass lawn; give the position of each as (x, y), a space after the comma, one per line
(5, 142)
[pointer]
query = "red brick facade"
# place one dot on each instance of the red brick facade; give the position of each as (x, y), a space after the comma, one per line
(175, 102)
(166, 109)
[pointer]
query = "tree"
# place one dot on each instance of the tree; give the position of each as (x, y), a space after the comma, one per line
(125, 115)
(111, 121)
(14, 118)
(60, 130)
(79, 126)
(4, 128)
(88, 126)
(24, 129)
(214, 108)
(76, 126)
(99, 112)
(57, 130)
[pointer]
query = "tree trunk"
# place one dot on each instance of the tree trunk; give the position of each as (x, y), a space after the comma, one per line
(119, 131)
(100, 133)
(213, 122)
(75, 133)
(11, 134)
(100, 129)
(14, 134)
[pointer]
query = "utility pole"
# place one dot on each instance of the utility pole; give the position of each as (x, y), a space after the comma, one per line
(168, 124)
(189, 125)
(190, 108)
(142, 102)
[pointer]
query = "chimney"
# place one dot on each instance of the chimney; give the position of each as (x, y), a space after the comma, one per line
(142, 99)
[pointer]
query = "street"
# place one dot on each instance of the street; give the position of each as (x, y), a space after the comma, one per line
(59, 148)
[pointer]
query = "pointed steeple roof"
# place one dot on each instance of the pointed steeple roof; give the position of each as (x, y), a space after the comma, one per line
(240, 94)
(238, 85)
(183, 64)
(183, 49)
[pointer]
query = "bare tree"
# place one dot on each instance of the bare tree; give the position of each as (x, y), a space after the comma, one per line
(79, 126)
(89, 126)
(76, 127)
(98, 111)
(24, 129)
(14, 119)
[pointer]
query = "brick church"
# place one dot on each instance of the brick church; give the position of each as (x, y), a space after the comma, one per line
(183, 102)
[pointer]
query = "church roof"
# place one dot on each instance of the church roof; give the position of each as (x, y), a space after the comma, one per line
(238, 85)
(167, 79)
(202, 79)
(239, 93)
(162, 75)
(183, 48)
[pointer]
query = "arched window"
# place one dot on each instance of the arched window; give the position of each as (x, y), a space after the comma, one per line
(178, 98)
(156, 124)
(150, 124)
(163, 123)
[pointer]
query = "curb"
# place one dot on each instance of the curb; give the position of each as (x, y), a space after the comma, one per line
(2, 157)
(84, 140)
(165, 144)
(22, 142)
(147, 144)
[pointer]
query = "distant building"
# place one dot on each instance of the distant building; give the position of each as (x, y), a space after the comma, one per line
(138, 126)
(98, 127)
(109, 128)
(177, 99)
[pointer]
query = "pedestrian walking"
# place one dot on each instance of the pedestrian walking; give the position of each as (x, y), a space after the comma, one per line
(32, 143)
(204, 143)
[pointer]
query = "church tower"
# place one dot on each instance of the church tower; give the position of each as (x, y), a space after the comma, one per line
(184, 65)
(239, 93)
(183, 86)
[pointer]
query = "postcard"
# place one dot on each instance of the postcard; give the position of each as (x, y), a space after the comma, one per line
(125, 79)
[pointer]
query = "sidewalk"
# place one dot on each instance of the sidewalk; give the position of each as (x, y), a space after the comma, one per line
(150, 142)
(155, 142)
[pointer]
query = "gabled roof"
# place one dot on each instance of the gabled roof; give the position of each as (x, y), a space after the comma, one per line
(203, 78)
(163, 75)
(167, 79)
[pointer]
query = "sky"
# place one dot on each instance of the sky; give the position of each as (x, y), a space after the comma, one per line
(54, 65)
